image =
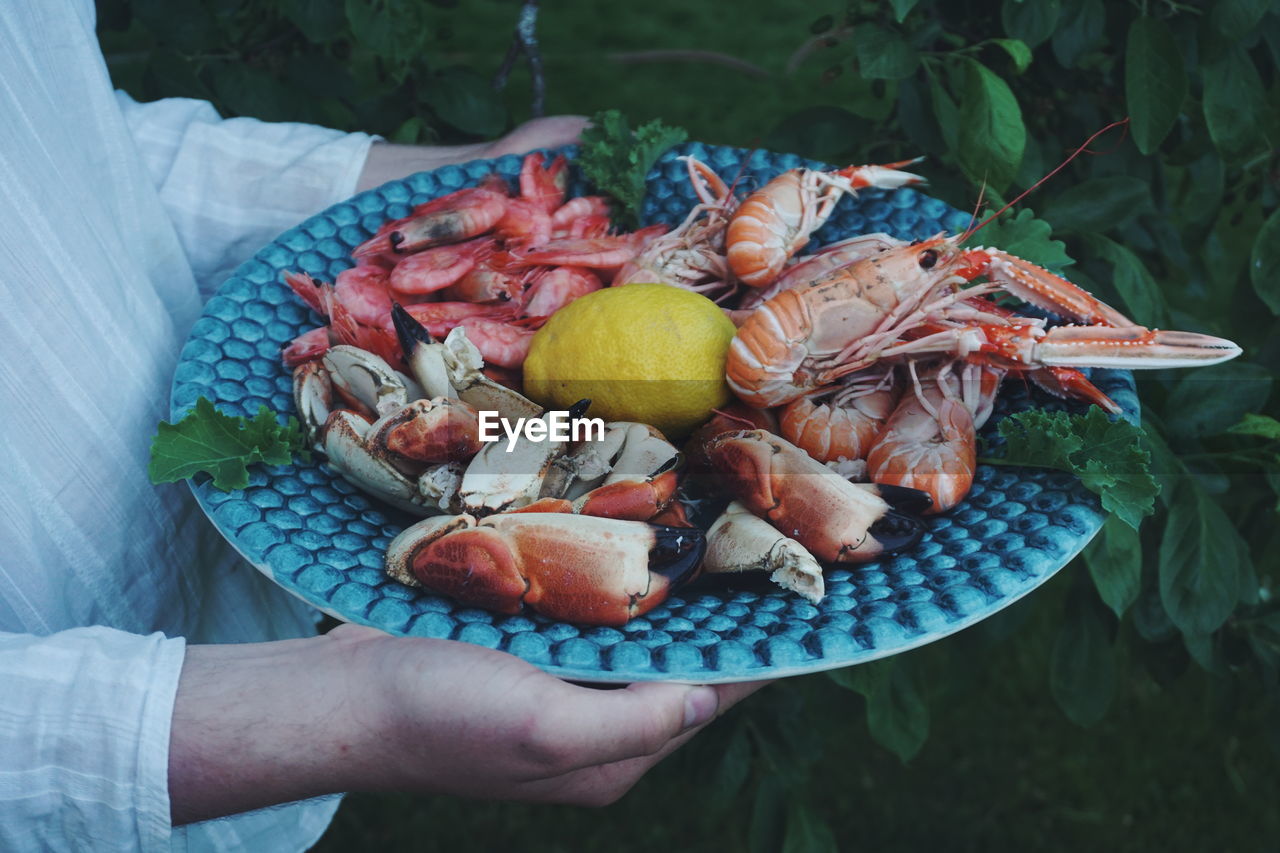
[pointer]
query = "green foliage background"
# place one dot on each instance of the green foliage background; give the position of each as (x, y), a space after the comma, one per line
(1160, 647)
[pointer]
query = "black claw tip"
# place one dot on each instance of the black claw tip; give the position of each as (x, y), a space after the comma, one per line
(671, 464)
(579, 408)
(896, 531)
(912, 501)
(410, 332)
(677, 552)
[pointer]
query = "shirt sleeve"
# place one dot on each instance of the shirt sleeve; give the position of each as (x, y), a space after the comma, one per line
(230, 186)
(84, 739)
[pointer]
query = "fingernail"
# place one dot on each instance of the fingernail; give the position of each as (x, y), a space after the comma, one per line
(700, 705)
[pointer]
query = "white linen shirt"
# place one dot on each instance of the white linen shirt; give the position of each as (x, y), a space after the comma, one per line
(116, 221)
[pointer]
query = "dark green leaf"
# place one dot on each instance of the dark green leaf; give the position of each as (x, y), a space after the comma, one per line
(465, 100)
(1237, 18)
(1082, 669)
(917, 120)
(1025, 236)
(897, 715)
(1108, 456)
(1150, 619)
(208, 441)
(1098, 204)
(1209, 400)
(1032, 22)
(902, 8)
(1204, 651)
(1234, 104)
(822, 132)
(864, 679)
(1018, 52)
(1202, 186)
(1114, 558)
(883, 54)
(1263, 426)
(394, 30)
(992, 136)
(1155, 82)
(410, 132)
(319, 20)
(1079, 31)
(172, 75)
(114, 14)
(1264, 263)
(186, 26)
(946, 112)
(317, 74)
(768, 810)
(247, 91)
(1199, 562)
(1141, 294)
(732, 772)
(806, 831)
(1166, 467)
(1230, 243)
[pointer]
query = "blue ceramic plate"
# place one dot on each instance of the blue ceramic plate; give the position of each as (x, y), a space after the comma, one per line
(322, 540)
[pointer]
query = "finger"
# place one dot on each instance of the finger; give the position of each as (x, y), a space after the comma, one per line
(641, 720)
(732, 694)
(603, 784)
(604, 726)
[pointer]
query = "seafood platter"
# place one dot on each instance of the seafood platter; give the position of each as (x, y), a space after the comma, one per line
(833, 511)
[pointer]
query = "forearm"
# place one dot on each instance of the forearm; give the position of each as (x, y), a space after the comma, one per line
(266, 723)
(357, 710)
(388, 162)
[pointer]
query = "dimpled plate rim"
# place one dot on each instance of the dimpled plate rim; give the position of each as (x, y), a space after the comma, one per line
(322, 540)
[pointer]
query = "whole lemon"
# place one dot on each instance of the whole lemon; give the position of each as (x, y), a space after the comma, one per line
(651, 353)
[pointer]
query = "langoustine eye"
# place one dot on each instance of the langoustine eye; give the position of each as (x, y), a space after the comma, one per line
(927, 259)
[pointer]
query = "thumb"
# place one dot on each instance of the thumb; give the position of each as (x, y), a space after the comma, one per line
(614, 725)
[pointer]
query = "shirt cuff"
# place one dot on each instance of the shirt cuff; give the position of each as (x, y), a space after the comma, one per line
(85, 716)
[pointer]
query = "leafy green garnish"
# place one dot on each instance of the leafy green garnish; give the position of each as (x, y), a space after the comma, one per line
(222, 445)
(1106, 455)
(616, 159)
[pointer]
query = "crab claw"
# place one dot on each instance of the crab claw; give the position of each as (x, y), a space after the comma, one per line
(343, 441)
(836, 520)
(430, 431)
(632, 472)
(599, 571)
(741, 542)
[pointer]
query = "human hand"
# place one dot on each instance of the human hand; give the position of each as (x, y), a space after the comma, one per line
(475, 722)
(266, 723)
(388, 162)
